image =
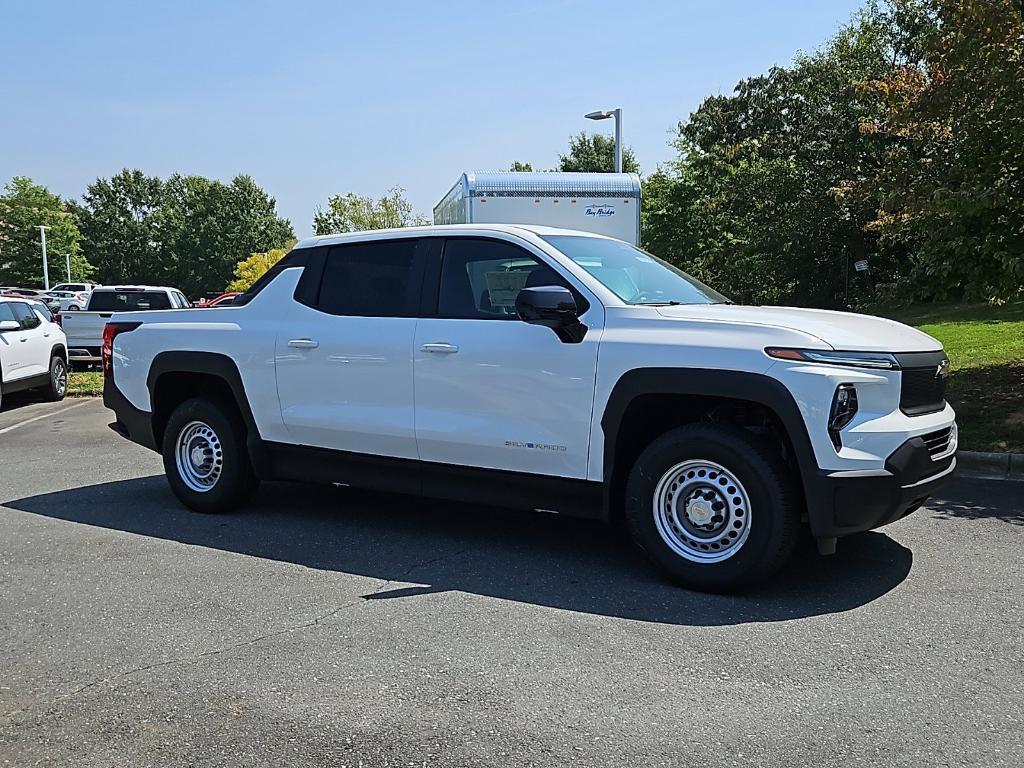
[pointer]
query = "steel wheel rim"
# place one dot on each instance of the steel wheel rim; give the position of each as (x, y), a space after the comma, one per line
(199, 456)
(702, 511)
(60, 377)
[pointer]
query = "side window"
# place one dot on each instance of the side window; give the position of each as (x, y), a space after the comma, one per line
(373, 279)
(6, 313)
(480, 279)
(23, 314)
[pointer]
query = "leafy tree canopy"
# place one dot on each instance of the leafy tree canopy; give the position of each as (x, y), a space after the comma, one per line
(25, 206)
(249, 270)
(595, 153)
(353, 213)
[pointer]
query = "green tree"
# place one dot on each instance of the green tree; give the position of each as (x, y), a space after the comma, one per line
(518, 167)
(187, 231)
(757, 201)
(251, 269)
(118, 218)
(207, 227)
(25, 206)
(353, 213)
(950, 195)
(595, 153)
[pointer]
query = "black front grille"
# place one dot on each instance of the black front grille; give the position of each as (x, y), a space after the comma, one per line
(938, 441)
(922, 386)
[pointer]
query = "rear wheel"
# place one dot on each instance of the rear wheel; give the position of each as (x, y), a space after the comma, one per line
(205, 458)
(713, 507)
(57, 387)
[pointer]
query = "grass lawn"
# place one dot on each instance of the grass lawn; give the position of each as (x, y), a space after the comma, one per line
(985, 345)
(85, 384)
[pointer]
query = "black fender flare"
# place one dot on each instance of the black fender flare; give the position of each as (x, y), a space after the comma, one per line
(738, 385)
(222, 367)
(59, 350)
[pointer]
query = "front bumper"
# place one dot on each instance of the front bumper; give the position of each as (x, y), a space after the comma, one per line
(841, 503)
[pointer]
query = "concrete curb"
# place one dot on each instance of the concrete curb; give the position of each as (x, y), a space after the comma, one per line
(990, 466)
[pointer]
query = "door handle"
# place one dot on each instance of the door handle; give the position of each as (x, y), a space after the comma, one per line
(46, 334)
(439, 347)
(303, 344)
(23, 339)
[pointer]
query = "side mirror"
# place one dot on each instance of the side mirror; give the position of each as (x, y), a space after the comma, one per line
(554, 307)
(9, 325)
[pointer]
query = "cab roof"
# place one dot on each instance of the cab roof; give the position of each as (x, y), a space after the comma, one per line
(439, 230)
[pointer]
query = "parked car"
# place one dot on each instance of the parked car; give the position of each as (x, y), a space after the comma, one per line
(51, 302)
(69, 300)
(224, 298)
(553, 370)
(33, 349)
(84, 329)
(76, 287)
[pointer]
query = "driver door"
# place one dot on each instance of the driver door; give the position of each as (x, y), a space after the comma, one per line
(492, 391)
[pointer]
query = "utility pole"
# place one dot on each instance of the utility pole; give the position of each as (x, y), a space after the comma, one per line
(46, 269)
(67, 257)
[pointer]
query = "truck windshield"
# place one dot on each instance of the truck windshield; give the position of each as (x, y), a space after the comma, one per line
(633, 275)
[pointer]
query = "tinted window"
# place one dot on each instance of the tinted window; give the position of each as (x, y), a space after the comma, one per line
(128, 301)
(23, 314)
(633, 275)
(370, 280)
(43, 310)
(480, 279)
(6, 313)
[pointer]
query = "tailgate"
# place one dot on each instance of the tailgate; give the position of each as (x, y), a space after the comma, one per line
(85, 332)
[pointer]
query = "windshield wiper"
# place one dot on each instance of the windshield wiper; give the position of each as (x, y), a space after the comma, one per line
(657, 304)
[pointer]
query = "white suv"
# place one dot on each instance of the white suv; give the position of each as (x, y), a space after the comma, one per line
(33, 349)
(547, 369)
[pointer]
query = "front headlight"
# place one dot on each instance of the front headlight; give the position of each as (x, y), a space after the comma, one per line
(835, 357)
(844, 408)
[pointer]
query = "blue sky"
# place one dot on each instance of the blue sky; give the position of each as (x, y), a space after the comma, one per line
(315, 98)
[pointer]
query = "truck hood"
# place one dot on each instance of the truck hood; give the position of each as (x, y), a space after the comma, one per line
(839, 330)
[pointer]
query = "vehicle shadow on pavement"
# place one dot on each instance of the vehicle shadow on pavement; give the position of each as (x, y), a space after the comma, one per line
(971, 499)
(574, 565)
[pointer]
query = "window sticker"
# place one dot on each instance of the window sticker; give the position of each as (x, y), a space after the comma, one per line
(503, 287)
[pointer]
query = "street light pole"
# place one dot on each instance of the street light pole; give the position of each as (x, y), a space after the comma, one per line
(604, 115)
(46, 269)
(67, 258)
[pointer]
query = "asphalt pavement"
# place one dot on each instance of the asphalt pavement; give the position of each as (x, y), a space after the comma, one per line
(323, 626)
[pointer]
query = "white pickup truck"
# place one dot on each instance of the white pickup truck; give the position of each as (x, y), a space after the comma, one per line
(84, 328)
(544, 369)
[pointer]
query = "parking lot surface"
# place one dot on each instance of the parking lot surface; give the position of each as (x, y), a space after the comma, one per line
(326, 627)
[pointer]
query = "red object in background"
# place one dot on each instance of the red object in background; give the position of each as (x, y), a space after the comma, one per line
(224, 298)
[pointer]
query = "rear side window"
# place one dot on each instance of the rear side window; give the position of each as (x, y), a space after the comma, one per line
(6, 313)
(23, 314)
(128, 301)
(374, 279)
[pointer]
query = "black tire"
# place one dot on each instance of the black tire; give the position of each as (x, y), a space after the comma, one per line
(772, 517)
(57, 388)
(234, 482)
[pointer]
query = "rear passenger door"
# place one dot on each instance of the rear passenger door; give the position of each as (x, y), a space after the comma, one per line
(344, 360)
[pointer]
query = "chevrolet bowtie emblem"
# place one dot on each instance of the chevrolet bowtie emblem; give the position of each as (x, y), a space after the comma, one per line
(942, 372)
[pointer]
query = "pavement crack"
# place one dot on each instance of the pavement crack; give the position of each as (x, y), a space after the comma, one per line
(384, 586)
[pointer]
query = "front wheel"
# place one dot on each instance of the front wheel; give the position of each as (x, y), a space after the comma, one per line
(713, 507)
(205, 457)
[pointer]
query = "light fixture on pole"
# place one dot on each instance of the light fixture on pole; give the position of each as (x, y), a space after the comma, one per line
(604, 115)
(46, 269)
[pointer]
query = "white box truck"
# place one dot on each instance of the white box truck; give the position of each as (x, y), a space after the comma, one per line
(605, 203)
